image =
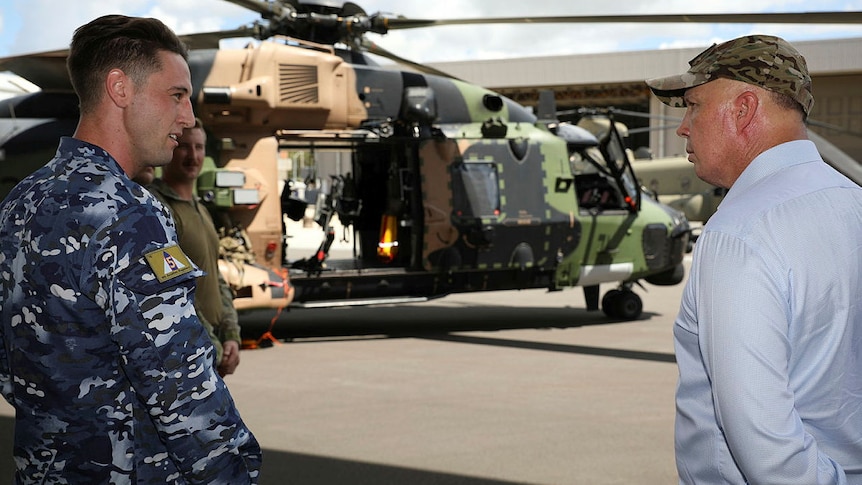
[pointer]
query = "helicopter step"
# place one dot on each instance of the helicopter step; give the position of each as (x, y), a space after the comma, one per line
(360, 302)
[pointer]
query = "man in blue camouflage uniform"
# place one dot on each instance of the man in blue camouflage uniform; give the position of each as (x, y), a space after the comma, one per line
(109, 370)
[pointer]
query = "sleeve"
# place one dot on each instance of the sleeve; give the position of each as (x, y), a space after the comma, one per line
(211, 333)
(167, 356)
(229, 325)
(743, 313)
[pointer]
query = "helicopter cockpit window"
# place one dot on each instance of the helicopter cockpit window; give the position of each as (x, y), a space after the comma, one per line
(594, 184)
(585, 161)
(619, 163)
(475, 190)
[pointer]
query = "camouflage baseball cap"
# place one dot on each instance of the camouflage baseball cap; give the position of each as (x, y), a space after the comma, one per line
(762, 60)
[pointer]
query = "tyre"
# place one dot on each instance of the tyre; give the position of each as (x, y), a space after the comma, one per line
(622, 304)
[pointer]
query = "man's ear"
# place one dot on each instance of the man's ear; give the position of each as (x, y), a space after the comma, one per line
(746, 105)
(118, 87)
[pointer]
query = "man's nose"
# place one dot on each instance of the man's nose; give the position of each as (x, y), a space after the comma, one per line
(187, 115)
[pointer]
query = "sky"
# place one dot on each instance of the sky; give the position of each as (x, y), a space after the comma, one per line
(28, 26)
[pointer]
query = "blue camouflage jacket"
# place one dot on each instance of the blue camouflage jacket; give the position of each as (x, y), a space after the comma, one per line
(101, 354)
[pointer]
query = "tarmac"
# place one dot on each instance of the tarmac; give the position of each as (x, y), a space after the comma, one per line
(510, 387)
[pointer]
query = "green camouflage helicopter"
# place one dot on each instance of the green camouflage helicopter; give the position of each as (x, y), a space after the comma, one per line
(448, 187)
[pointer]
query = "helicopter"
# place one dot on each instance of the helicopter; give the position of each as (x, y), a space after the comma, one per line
(448, 187)
(673, 181)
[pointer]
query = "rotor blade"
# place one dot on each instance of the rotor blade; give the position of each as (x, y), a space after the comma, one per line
(736, 18)
(373, 48)
(838, 159)
(44, 69)
(834, 128)
(677, 119)
(48, 69)
(210, 40)
(266, 9)
(634, 114)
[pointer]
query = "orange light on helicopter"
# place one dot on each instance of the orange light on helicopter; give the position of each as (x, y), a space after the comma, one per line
(270, 250)
(387, 247)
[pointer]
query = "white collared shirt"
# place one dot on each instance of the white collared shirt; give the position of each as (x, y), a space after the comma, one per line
(769, 334)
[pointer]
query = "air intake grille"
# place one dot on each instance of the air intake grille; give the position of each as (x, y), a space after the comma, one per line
(298, 84)
(656, 246)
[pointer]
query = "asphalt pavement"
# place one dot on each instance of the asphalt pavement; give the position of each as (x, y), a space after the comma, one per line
(510, 387)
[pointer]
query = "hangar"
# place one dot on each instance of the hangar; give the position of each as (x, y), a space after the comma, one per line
(617, 80)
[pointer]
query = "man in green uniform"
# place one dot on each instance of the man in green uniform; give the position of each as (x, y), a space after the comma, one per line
(198, 238)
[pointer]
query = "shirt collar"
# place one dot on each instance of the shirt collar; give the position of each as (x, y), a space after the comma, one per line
(168, 191)
(78, 149)
(774, 159)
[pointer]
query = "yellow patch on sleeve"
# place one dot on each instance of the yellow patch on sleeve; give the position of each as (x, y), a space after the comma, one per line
(169, 262)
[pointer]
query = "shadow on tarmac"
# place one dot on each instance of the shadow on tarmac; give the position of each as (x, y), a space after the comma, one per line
(314, 470)
(571, 349)
(413, 320)
(281, 467)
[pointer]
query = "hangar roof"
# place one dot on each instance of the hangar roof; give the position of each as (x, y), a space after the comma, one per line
(824, 57)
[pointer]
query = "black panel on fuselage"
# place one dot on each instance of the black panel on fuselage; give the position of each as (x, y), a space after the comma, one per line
(380, 91)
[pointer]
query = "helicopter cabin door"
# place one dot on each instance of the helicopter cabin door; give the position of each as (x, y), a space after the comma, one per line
(440, 234)
(487, 205)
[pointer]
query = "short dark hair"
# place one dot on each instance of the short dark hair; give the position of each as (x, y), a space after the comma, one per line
(786, 102)
(117, 41)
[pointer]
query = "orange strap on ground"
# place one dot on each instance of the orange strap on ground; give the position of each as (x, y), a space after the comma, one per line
(268, 334)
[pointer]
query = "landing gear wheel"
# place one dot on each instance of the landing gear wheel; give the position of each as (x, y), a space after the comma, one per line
(622, 304)
(609, 302)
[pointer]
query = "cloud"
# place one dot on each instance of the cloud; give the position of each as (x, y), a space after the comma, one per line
(38, 25)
